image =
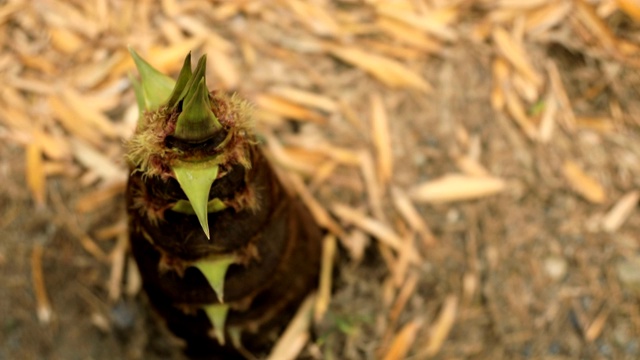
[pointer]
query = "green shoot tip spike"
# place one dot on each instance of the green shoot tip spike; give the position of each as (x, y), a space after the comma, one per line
(183, 79)
(156, 87)
(217, 314)
(215, 271)
(197, 121)
(196, 182)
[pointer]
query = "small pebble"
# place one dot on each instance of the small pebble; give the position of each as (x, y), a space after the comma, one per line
(555, 267)
(629, 272)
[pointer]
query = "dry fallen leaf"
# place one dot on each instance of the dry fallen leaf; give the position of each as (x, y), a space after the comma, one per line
(296, 335)
(620, 211)
(404, 340)
(390, 72)
(440, 330)
(631, 7)
(516, 54)
(583, 184)
(456, 187)
(381, 139)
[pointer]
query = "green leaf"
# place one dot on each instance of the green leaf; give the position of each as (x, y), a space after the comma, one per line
(197, 121)
(196, 180)
(215, 271)
(217, 314)
(156, 87)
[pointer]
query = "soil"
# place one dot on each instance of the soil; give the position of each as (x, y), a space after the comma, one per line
(547, 266)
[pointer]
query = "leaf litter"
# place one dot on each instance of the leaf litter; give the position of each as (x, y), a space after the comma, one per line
(363, 105)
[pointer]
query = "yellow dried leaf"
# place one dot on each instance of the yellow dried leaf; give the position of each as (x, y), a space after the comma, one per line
(470, 166)
(590, 19)
(411, 215)
(93, 73)
(631, 7)
(88, 114)
(316, 18)
(620, 211)
(519, 115)
(169, 58)
(381, 139)
(583, 184)
(69, 120)
(403, 341)
(389, 71)
(35, 173)
(440, 330)
(100, 164)
(306, 98)
(434, 22)
(296, 334)
(374, 227)
(225, 69)
(286, 108)
(500, 70)
(456, 187)
(55, 147)
(409, 35)
(547, 17)
(65, 40)
(329, 246)
(513, 51)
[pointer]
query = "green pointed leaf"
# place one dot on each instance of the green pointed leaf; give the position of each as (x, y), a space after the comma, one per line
(197, 121)
(137, 89)
(195, 180)
(156, 87)
(198, 74)
(235, 334)
(217, 314)
(183, 79)
(184, 207)
(215, 271)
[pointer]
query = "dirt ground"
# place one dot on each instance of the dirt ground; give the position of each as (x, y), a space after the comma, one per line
(477, 161)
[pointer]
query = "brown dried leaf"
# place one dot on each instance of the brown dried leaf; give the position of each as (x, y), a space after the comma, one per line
(500, 83)
(513, 51)
(471, 167)
(440, 330)
(381, 231)
(36, 180)
(409, 35)
(54, 147)
(435, 22)
(543, 19)
(169, 58)
(306, 98)
(296, 335)
(456, 187)
(319, 213)
(561, 96)
(630, 7)
(329, 245)
(583, 184)
(412, 216)
(224, 67)
(100, 164)
(403, 341)
(519, 115)
(389, 71)
(288, 109)
(381, 139)
(87, 114)
(590, 19)
(621, 211)
(65, 40)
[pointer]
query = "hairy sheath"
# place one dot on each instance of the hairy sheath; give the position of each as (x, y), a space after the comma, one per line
(226, 254)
